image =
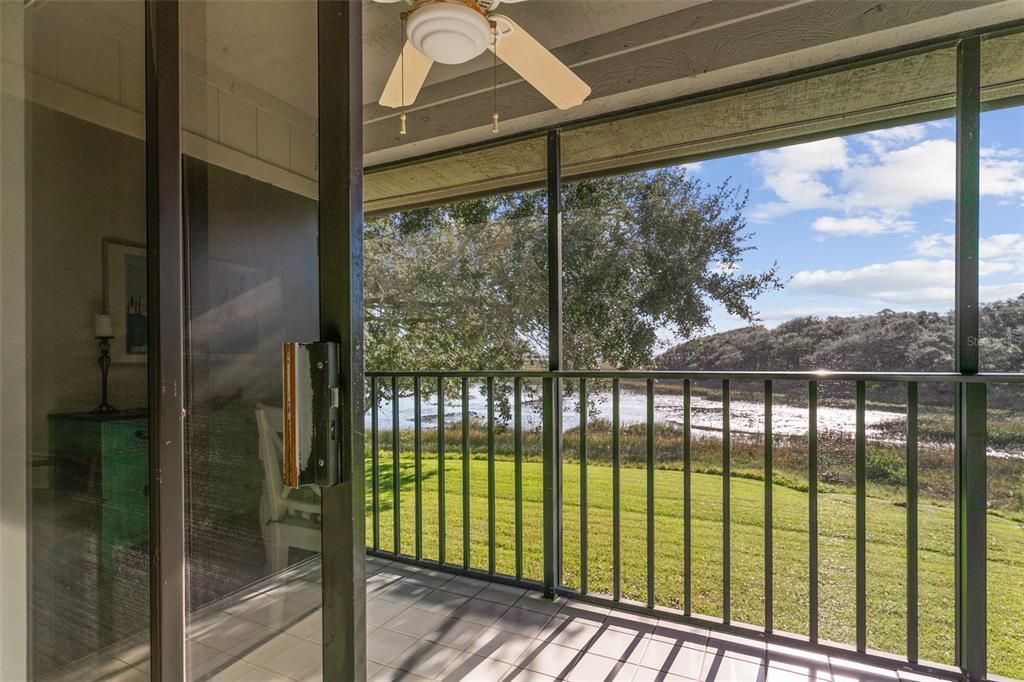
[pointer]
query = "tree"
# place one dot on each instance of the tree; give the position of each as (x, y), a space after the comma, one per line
(464, 285)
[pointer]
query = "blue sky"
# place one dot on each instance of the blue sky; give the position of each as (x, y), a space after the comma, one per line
(866, 222)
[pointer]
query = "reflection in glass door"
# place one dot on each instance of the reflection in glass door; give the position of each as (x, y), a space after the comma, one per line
(248, 103)
(74, 533)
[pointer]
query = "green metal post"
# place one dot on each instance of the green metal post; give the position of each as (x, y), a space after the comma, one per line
(971, 403)
(552, 387)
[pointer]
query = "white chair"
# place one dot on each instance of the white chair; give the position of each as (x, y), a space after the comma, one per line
(289, 518)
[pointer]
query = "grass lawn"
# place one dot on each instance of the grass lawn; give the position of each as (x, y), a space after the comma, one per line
(886, 549)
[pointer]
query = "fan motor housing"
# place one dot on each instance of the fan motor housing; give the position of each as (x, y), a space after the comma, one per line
(448, 31)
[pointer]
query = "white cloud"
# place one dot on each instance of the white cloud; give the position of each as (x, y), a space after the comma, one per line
(1005, 246)
(860, 225)
(1000, 292)
(898, 171)
(935, 246)
(918, 280)
(794, 174)
(927, 279)
(897, 180)
(774, 317)
(1002, 172)
(999, 252)
(881, 140)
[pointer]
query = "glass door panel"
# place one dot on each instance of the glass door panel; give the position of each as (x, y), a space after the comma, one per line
(74, 531)
(248, 121)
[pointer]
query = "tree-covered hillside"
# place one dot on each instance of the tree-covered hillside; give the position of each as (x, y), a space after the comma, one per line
(885, 341)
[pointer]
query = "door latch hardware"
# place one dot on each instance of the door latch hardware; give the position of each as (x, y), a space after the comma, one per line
(312, 408)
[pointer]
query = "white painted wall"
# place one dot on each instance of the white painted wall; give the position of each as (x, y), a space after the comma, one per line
(79, 68)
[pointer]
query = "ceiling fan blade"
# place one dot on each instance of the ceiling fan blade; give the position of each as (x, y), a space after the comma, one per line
(538, 66)
(417, 66)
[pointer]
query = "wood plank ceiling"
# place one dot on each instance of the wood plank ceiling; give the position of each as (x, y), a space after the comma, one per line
(261, 56)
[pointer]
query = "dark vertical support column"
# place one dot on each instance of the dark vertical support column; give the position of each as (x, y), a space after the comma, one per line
(375, 459)
(340, 247)
(552, 385)
(912, 572)
(616, 494)
(860, 474)
(971, 441)
(517, 437)
(491, 511)
(812, 509)
(466, 525)
(396, 469)
(726, 513)
(971, 404)
(165, 260)
(584, 531)
(768, 512)
(418, 455)
(650, 493)
(441, 521)
(687, 521)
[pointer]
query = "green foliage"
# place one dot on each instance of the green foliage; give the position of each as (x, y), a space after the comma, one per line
(884, 466)
(464, 285)
(885, 341)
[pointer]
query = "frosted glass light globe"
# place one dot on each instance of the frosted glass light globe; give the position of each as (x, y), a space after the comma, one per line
(448, 32)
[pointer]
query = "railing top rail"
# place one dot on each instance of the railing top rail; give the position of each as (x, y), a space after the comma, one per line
(922, 377)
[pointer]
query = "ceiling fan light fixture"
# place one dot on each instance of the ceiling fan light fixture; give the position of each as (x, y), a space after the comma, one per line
(449, 32)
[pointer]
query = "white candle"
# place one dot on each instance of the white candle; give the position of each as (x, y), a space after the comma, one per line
(104, 327)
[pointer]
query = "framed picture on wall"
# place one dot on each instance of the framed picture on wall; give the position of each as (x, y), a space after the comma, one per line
(124, 299)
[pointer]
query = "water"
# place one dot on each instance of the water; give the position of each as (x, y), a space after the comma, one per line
(746, 418)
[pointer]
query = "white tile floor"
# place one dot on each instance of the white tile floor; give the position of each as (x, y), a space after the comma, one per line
(428, 625)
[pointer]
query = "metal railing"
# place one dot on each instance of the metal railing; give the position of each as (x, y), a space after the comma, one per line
(970, 406)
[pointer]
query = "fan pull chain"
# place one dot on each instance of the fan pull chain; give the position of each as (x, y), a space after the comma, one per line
(401, 46)
(494, 70)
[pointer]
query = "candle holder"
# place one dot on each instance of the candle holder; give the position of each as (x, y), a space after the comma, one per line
(104, 362)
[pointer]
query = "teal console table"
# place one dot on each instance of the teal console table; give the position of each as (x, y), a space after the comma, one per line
(106, 456)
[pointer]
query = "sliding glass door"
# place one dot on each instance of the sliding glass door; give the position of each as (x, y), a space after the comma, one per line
(248, 104)
(74, 533)
(91, 368)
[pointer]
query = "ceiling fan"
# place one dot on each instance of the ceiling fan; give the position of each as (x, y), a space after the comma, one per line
(456, 31)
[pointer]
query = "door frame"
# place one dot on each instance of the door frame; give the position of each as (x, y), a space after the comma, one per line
(339, 147)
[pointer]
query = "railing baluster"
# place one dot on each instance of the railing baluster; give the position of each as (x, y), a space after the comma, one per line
(418, 454)
(440, 473)
(912, 632)
(768, 476)
(726, 473)
(490, 476)
(687, 529)
(616, 483)
(812, 508)
(552, 486)
(518, 447)
(583, 486)
(465, 473)
(650, 493)
(396, 467)
(861, 533)
(375, 460)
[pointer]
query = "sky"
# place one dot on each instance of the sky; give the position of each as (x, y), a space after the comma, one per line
(865, 222)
